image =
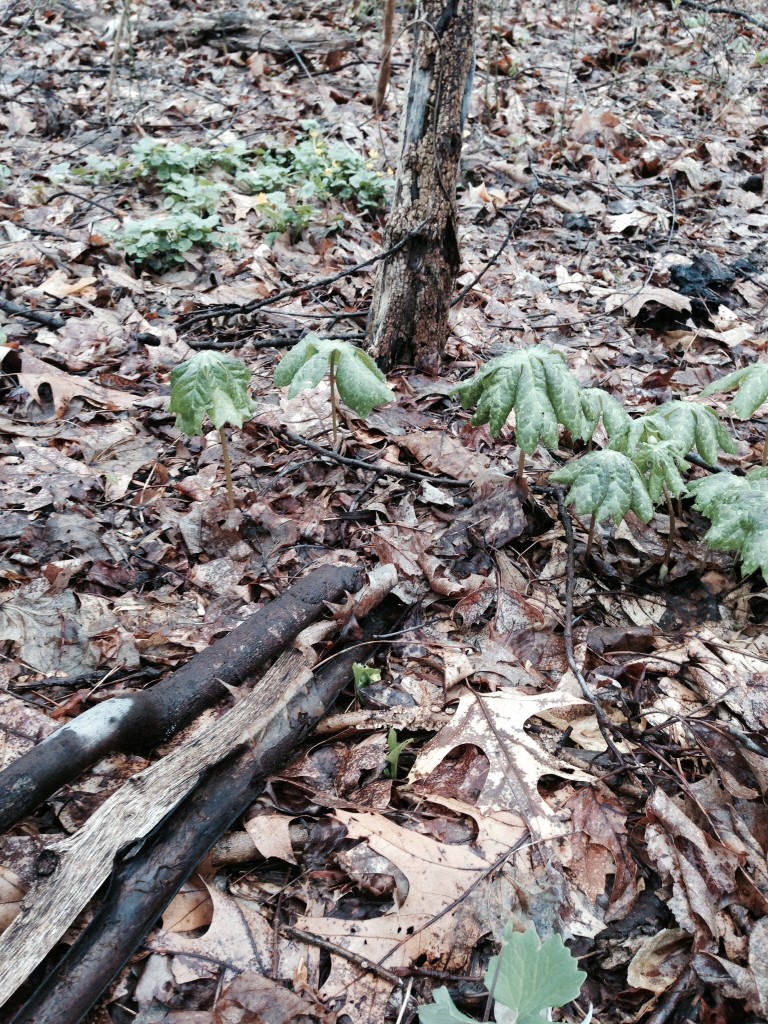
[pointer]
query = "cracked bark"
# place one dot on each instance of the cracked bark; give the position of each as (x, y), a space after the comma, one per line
(409, 312)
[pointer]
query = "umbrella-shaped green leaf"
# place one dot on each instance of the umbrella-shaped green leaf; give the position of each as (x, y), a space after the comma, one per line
(362, 385)
(738, 508)
(538, 385)
(213, 385)
(751, 385)
(605, 484)
(661, 464)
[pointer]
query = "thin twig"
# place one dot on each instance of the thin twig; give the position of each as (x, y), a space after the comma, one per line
(289, 293)
(373, 467)
(733, 11)
(602, 719)
(346, 954)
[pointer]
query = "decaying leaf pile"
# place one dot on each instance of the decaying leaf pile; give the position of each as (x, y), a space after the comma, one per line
(621, 152)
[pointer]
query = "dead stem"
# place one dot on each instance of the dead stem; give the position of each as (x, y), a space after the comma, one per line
(520, 467)
(227, 469)
(590, 538)
(671, 536)
(334, 400)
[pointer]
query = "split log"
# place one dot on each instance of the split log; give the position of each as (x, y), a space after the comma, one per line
(411, 299)
(144, 885)
(142, 720)
(208, 781)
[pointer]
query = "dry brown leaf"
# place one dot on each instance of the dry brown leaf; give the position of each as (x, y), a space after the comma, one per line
(635, 302)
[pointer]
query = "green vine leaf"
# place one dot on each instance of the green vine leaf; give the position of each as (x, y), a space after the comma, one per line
(538, 385)
(597, 405)
(688, 425)
(605, 484)
(738, 508)
(751, 386)
(661, 464)
(213, 385)
(362, 385)
(443, 1010)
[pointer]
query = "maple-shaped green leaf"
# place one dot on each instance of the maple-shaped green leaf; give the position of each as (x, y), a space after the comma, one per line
(213, 385)
(443, 1010)
(361, 384)
(752, 385)
(597, 405)
(738, 508)
(529, 976)
(605, 484)
(661, 463)
(687, 425)
(538, 385)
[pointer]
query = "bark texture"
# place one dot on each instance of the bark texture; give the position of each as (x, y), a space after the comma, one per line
(409, 312)
(144, 885)
(142, 720)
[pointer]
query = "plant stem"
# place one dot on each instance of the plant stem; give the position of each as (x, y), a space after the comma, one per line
(765, 451)
(227, 469)
(334, 400)
(590, 538)
(520, 467)
(672, 531)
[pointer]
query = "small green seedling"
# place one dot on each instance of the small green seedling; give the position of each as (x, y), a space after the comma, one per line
(213, 385)
(526, 981)
(360, 383)
(538, 385)
(365, 675)
(395, 750)
(751, 386)
(607, 485)
(160, 242)
(738, 508)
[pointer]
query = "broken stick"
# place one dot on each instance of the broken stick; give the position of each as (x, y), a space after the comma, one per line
(142, 720)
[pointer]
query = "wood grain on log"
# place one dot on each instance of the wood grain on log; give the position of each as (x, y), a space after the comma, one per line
(142, 720)
(274, 714)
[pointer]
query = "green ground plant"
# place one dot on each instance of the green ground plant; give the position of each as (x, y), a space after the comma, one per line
(751, 387)
(160, 242)
(353, 375)
(526, 981)
(214, 386)
(395, 750)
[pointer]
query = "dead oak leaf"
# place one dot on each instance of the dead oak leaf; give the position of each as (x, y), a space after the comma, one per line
(496, 723)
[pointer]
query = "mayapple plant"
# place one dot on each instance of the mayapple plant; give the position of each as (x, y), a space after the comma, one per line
(738, 509)
(352, 373)
(751, 386)
(215, 386)
(526, 981)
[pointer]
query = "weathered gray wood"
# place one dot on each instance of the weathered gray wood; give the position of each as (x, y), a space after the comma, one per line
(409, 312)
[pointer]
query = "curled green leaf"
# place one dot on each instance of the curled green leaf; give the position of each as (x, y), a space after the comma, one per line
(607, 485)
(213, 385)
(751, 385)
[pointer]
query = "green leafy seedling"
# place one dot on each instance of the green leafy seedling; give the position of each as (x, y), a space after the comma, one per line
(215, 386)
(393, 756)
(661, 464)
(538, 385)
(738, 508)
(688, 425)
(528, 978)
(365, 675)
(597, 405)
(607, 485)
(751, 386)
(358, 380)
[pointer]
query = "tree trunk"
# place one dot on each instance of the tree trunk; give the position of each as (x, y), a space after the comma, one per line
(409, 312)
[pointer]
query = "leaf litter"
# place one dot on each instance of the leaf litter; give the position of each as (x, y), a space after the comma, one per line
(637, 136)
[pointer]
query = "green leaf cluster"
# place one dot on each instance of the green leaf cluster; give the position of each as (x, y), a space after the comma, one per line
(528, 977)
(605, 484)
(213, 385)
(538, 385)
(361, 384)
(751, 386)
(686, 425)
(160, 242)
(738, 509)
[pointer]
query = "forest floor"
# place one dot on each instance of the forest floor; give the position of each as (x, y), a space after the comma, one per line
(614, 205)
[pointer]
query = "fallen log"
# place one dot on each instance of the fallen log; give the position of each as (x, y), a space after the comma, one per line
(72, 871)
(140, 721)
(144, 884)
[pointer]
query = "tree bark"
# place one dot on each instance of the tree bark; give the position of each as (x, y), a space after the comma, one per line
(143, 885)
(409, 312)
(142, 720)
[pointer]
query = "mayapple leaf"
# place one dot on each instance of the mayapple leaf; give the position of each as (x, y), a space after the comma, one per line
(687, 425)
(538, 385)
(738, 509)
(361, 384)
(597, 405)
(529, 976)
(661, 463)
(443, 1010)
(213, 385)
(605, 484)
(751, 385)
